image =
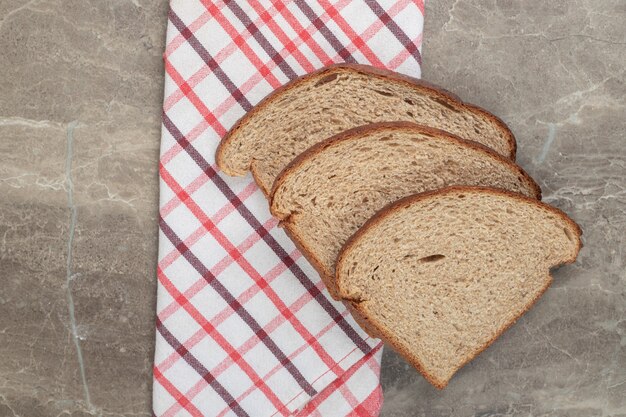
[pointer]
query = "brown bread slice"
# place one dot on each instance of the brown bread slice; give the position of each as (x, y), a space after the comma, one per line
(330, 190)
(441, 275)
(321, 104)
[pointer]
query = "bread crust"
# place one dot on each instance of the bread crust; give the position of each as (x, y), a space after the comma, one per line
(303, 248)
(361, 320)
(406, 201)
(433, 90)
(388, 336)
(355, 134)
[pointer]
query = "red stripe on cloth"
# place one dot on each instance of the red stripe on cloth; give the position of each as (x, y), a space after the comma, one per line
(336, 384)
(289, 44)
(200, 369)
(404, 54)
(180, 39)
(176, 394)
(246, 347)
(236, 306)
(227, 312)
(261, 39)
(306, 35)
(354, 37)
(237, 40)
(396, 30)
(240, 40)
(300, 303)
(195, 186)
(191, 137)
(194, 99)
(229, 349)
(224, 211)
(324, 30)
(209, 60)
(375, 27)
(216, 270)
(371, 363)
(420, 5)
(349, 397)
(192, 82)
(370, 407)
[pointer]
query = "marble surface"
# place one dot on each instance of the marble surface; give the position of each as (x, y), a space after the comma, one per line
(80, 105)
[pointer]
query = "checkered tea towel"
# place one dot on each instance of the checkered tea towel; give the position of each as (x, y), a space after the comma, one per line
(245, 327)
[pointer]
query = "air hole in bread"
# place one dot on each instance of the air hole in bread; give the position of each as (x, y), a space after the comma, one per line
(568, 234)
(326, 79)
(409, 101)
(461, 196)
(446, 104)
(385, 139)
(384, 93)
(410, 114)
(431, 258)
(354, 298)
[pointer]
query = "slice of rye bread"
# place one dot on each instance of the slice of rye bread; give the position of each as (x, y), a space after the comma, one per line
(316, 106)
(440, 275)
(328, 192)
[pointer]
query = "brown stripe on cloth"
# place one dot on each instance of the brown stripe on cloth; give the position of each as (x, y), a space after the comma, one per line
(395, 29)
(209, 60)
(201, 370)
(261, 39)
(325, 31)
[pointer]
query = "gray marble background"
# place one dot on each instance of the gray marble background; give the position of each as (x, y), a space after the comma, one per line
(80, 98)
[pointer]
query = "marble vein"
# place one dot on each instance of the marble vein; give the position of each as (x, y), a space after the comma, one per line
(20, 121)
(547, 144)
(70, 247)
(8, 15)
